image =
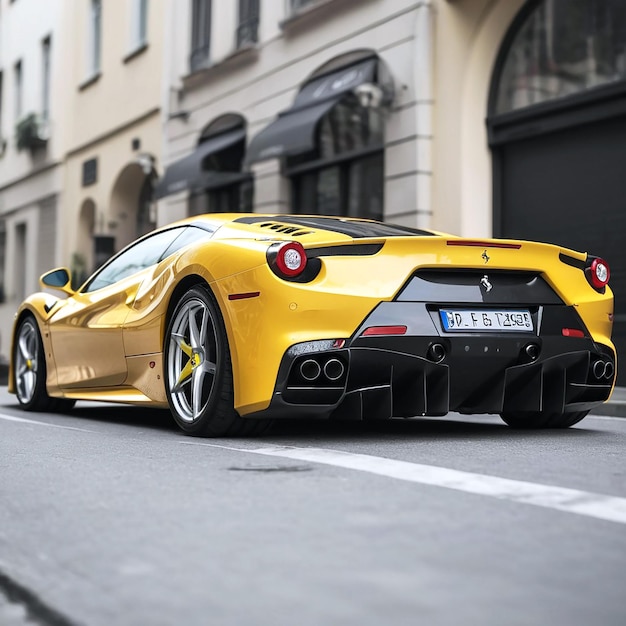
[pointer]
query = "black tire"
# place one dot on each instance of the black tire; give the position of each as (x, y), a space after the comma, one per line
(29, 370)
(198, 370)
(535, 419)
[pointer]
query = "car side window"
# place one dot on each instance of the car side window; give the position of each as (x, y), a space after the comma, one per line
(189, 235)
(141, 255)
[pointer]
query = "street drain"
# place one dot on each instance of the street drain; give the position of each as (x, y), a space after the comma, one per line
(272, 468)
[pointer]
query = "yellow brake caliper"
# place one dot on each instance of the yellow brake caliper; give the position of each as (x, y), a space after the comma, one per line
(194, 361)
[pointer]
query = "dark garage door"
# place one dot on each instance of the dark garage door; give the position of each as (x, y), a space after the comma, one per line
(569, 187)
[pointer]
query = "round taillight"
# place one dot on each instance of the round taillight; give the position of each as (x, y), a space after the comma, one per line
(599, 273)
(291, 259)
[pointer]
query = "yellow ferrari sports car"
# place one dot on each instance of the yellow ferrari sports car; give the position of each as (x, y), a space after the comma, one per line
(233, 320)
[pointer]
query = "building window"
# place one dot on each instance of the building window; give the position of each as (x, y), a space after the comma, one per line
(248, 27)
(200, 34)
(95, 38)
(139, 24)
(297, 5)
(19, 261)
(145, 215)
(45, 78)
(564, 47)
(344, 175)
(3, 247)
(224, 186)
(19, 87)
(2, 145)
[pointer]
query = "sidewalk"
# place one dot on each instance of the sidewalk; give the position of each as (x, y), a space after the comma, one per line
(616, 406)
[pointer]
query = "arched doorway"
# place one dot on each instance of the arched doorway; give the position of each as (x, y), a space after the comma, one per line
(557, 130)
(131, 210)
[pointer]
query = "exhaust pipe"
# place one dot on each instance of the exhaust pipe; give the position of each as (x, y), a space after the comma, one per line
(310, 370)
(599, 369)
(436, 353)
(532, 351)
(609, 370)
(334, 369)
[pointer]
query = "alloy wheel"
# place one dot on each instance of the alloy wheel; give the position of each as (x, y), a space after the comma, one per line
(192, 359)
(27, 361)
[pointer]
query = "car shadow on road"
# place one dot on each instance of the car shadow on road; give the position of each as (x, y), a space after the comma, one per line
(449, 427)
(452, 426)
(123, 414)
(159, 419)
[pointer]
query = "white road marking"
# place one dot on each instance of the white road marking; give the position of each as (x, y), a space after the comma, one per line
(13, 418)
(609, 508)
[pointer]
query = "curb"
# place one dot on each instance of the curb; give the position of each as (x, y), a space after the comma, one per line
(616, 408)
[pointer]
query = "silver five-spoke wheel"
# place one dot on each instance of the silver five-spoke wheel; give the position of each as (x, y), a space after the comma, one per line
(198, 370)
(192, 359)
(29, 370)
(27, 351)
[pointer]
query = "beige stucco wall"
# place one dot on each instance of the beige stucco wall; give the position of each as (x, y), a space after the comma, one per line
(468, 37)
(108, 112)
(127, 88)
(114, 154)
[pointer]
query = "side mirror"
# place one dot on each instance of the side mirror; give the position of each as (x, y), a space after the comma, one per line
(59, 279)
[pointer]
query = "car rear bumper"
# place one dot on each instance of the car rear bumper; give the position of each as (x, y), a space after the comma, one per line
(405, 376)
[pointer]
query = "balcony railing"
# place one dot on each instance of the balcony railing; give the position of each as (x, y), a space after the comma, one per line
(199, 58)
(296, 5)
(248, 32)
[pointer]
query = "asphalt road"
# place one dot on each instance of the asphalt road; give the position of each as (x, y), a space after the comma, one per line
(110, 516)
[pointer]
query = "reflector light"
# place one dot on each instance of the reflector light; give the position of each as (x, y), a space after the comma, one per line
(599, 273)
(243, 296)
(384, 330)
(339, 343)
(483, 244)
(572, 332)
(291, 259)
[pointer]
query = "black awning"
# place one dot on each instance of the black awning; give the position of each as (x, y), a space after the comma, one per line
(212, 180)
(293, 132)
(188, 173)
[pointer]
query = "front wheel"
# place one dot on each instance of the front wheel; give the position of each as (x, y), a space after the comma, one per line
(198, 370)
(29, 370)
(537, 419)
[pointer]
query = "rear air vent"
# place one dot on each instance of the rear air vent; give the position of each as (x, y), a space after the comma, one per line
(286, 229)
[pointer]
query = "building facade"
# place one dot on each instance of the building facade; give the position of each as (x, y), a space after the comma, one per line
(370, 107)
(31, 146)
(112, 98)
(80, 97)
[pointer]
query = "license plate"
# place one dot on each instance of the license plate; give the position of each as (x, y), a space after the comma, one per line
(457, 320)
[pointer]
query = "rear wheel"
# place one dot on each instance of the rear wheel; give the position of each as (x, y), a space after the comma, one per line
(536, 419)
(198, 370)
(29, 371)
